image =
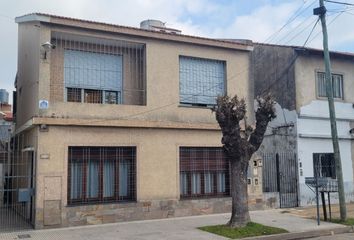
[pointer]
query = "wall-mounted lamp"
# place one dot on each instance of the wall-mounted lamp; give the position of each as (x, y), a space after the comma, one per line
(47, 47)
(351, 131)
(43, 128)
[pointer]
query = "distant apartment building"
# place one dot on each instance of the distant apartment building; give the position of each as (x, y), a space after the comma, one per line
(4, 96)
(6, 121)
(115, 123)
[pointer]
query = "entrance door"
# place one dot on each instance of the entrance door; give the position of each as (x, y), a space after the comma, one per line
(280, 175)
(287, 175)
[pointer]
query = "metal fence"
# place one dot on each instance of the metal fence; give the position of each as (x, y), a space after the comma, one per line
(280, 175)
(16, 186)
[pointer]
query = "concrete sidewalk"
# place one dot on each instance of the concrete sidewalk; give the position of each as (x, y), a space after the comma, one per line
(174, 228)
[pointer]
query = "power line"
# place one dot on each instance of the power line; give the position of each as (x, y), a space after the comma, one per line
(5, 16)
(349, 13)
(296, 27)
(343, 3)
(291, 19)
(285, 71)
(328, 25)
(346, 8)
(299, 33)
(318, 19)
(294, 59)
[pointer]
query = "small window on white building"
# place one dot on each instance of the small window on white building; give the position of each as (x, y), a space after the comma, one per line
(324, 165)
(337, 85)
(200, 80)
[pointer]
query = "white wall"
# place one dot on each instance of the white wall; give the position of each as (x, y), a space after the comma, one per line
(319, 108)
(314, 136)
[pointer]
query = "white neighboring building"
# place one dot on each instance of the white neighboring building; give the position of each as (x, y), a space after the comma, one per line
(295, 76)
(314, 137)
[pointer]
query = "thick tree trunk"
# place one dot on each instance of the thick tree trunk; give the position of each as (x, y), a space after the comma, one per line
(240, 145)
(240, 214)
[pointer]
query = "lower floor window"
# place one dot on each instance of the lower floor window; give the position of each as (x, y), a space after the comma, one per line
(101, 174)
(324, 165)
(204, 172)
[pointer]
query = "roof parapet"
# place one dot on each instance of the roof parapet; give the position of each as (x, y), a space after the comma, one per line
(133, 31)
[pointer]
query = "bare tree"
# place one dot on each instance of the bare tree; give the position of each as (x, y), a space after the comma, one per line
(239, 145)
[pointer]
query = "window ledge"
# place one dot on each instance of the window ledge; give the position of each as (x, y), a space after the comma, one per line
(334, 99)
(99, 122)
(195, 106)
(204, 197)
(133, 202)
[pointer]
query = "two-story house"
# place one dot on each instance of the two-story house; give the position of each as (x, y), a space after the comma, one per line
(298, 142)
(114, 123)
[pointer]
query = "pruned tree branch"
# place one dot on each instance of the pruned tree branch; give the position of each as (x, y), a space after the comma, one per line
(229, 112)
(264, 114)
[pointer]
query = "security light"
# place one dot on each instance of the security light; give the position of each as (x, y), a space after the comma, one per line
(47, 46)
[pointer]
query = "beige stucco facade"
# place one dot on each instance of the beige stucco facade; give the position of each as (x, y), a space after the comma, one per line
(306, 68)
(157, 128)
(162, 84)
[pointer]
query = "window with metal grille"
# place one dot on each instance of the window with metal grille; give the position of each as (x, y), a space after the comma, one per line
(324, 165)
(200, 80)
(204, 172)
(101, 174)
(337, 85)
(92, 96)
(96, 76)
(73, 95)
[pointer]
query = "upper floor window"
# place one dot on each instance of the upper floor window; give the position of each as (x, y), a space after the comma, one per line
(93, 77)
(201, 80)
(97, 70)
(337, 85)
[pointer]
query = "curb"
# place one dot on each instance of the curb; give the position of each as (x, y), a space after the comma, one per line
(304, 235)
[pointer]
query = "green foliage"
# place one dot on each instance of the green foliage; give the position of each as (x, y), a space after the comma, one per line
(250, 230)
(349, 221)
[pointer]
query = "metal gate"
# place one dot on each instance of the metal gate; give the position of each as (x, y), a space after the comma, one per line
(280, 175)
(16, 186)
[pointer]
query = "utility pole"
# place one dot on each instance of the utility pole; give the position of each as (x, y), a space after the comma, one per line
(321, 11)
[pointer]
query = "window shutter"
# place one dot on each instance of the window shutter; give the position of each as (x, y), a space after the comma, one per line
(201, 80)
(92, 70)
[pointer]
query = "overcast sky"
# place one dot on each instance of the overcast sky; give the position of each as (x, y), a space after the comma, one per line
(258, 20)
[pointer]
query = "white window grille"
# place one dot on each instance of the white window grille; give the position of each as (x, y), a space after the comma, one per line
(337, 85)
